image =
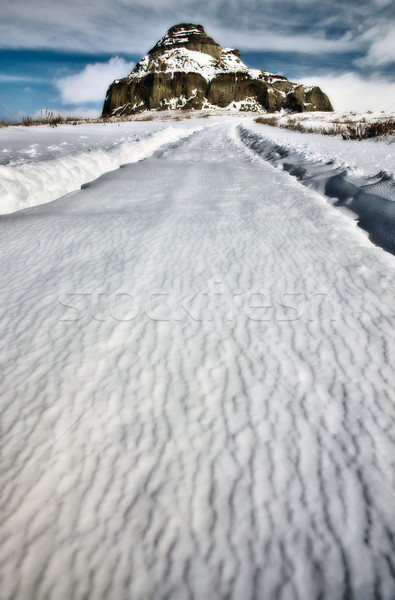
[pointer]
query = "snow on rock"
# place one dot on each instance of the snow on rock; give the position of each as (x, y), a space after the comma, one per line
(183, 60)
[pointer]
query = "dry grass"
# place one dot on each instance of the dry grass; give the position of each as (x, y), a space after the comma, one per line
(147, 118)
(295, 125)
(48, 117)
(273, 121)
(346, 128)
(361, 131)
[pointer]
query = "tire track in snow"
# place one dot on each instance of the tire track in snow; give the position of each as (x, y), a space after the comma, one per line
(371, 198)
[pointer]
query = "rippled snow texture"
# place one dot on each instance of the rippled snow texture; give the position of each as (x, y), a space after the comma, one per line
(222, 429)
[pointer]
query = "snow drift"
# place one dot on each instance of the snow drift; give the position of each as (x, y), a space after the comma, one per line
(26, 182)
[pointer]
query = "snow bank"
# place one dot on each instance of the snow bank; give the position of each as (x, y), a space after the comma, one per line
(356, 175)
(26, 182)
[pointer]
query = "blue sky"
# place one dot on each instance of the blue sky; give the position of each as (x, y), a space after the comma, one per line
(62, 55)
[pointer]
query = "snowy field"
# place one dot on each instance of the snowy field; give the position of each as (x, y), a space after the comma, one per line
(316, 121)
(40, 164)
(355, 176)
(197, 351)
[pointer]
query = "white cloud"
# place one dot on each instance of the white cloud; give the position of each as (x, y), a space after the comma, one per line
(382, 46)
(383, 3)
(133, 27)
(278, 42)
(351, 91)
(90, 84)
(92, 26)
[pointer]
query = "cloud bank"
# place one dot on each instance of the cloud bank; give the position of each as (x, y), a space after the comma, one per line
(381, 50)
(351, 91)
(104, 26)
(90, 84)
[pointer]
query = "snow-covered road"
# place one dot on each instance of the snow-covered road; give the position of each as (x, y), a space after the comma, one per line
(196, 383)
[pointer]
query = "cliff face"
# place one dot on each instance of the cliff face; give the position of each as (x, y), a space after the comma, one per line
(188, 70)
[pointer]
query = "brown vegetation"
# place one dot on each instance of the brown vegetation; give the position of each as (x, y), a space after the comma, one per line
(348, 129)
(48, 117)
(273, 121)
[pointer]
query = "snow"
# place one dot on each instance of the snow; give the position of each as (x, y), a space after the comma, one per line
(356, 176)
(38, 165)
(364, 158)
(196, 376)
(179, 36)
(315, 121)
(189, 61)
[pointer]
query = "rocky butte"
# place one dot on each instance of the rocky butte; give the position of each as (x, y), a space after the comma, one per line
(188, 70)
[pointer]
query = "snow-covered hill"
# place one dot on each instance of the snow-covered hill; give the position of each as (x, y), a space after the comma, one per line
(187, 69)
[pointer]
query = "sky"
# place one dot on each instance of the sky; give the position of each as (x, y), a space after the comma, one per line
(63, 54)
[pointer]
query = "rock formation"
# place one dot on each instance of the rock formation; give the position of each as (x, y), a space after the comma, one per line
(188, 70)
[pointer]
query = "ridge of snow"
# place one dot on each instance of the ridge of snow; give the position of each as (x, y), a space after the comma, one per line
(24, 184)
